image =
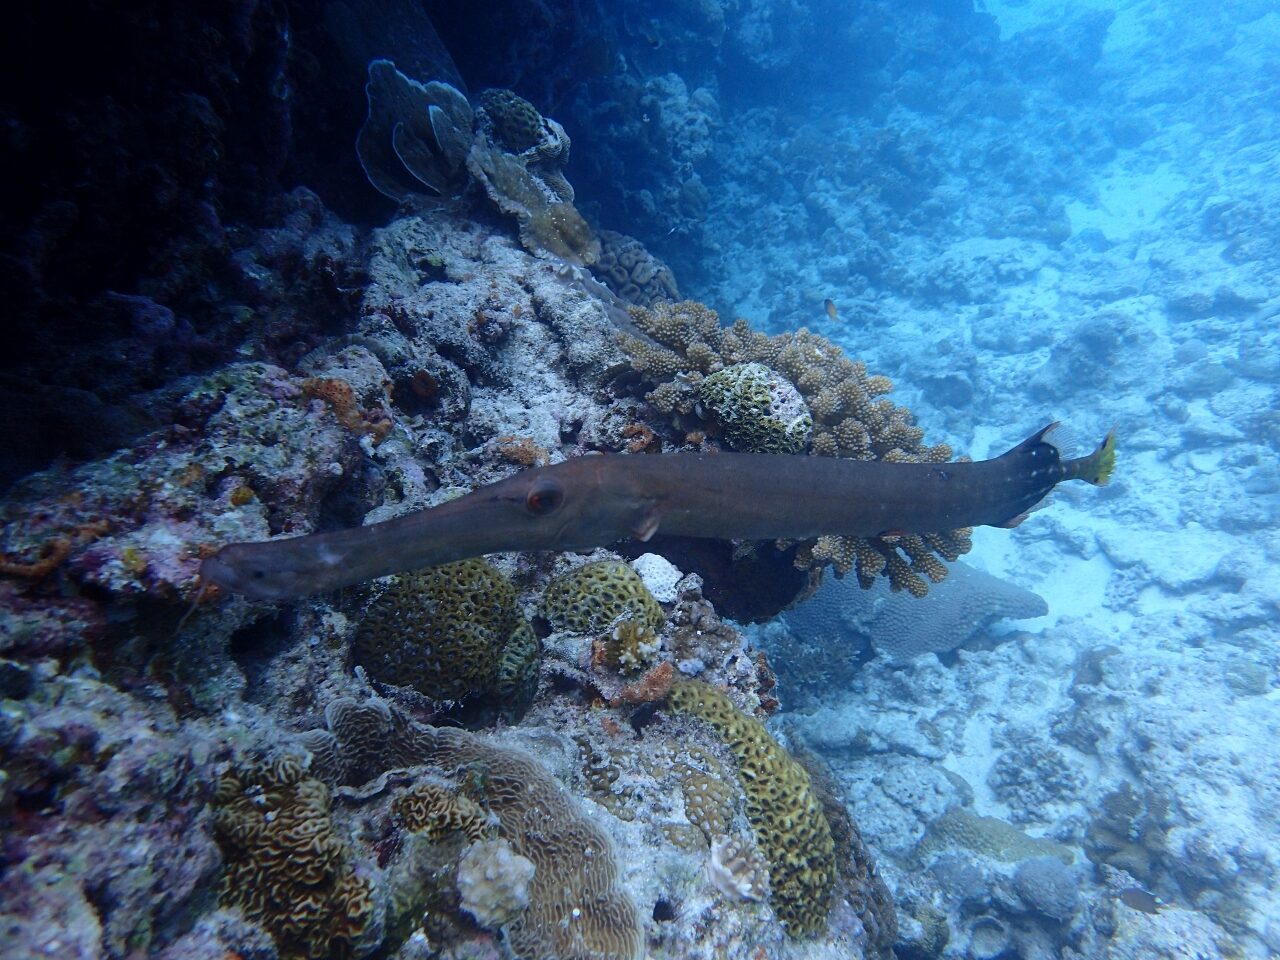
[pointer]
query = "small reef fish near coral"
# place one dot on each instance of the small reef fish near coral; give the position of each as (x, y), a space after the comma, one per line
(437, 522)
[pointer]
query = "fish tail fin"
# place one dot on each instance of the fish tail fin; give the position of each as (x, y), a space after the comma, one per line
(1098, 466)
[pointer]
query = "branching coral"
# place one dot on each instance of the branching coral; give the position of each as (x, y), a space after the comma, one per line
(685, 349)
(791, 830)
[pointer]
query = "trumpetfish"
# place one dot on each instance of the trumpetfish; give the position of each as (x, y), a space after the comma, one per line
(596, 500)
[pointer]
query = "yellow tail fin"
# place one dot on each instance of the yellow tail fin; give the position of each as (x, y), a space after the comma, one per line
(1098, 466)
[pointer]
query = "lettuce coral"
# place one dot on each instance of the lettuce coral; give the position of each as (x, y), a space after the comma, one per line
(287, 868)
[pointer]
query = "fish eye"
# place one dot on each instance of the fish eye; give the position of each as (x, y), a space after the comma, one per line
(545, 496)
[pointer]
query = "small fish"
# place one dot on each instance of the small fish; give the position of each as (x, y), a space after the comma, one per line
(1138, 899)
(830, 306)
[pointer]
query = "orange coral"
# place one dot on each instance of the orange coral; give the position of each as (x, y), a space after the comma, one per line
(643, 440)
(341, 398)
(523, 450)
(653, 687)
(52, 555)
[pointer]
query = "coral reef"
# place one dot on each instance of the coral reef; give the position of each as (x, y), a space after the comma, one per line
(287, 869)
(450, 632)
(684, 346)
(991, 837)
(494, 882)
(438, 810)
(595, 596)
(790, 827)
(547, 224)
(632, 272)
(821, 641)
(575, 910)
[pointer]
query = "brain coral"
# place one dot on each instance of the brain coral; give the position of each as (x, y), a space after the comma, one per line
(450, 632)
(286, 867)
(576, 911)
(513, 122)
(683, 345)
(759, 410)
(632, 272)
(791, 829)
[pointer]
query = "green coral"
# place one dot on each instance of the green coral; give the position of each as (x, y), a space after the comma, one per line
(790, 827)
(513, 122)
(759, 410)
(287, 869)
(517, 681)
(594, 596)
(450, 632)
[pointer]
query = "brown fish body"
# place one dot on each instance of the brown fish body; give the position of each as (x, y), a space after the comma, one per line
(598, 500)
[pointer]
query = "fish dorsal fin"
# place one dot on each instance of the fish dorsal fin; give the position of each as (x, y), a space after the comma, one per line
(1062, 438)
(646, 526)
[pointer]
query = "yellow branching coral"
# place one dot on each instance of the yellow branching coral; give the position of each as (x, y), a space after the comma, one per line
(684, 349)
(287, 869)
(791, 830)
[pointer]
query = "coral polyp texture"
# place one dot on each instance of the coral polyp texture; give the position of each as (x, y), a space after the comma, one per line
(575, 909)
(450, 632)
(790, 827)
(286, 867)
(632, 272)
(759, 410)
(593, 597)
(687, 356)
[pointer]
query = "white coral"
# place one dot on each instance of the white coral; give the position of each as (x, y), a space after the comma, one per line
(736, 870)
(494, 882)
(659, 575)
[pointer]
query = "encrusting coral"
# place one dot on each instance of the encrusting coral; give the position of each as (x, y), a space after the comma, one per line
(287, 869)
(759, 410)
(684, 347)
(425, 138)
(791, 830)
(575, 909)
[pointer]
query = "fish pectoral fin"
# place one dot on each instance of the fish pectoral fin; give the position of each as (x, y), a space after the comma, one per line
(646, 526)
